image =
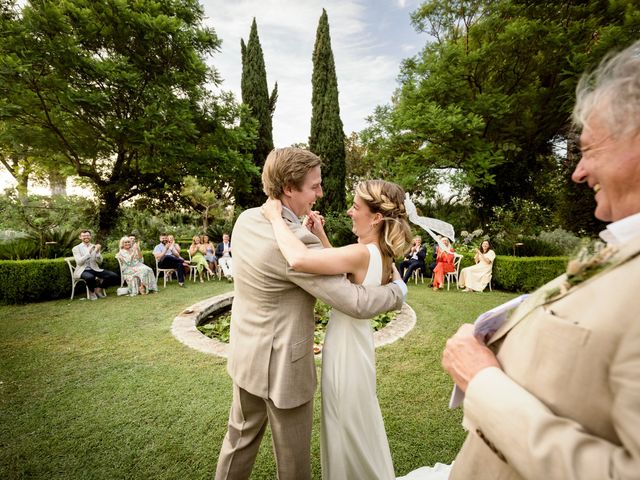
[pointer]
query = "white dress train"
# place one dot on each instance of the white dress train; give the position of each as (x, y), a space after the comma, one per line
(439, 471)
(353, 439)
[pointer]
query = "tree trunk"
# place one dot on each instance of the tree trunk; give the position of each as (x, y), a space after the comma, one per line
(57, 183)
(108, 213)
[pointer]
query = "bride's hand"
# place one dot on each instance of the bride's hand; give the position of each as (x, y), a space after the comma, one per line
(315, 223)
(272, 209)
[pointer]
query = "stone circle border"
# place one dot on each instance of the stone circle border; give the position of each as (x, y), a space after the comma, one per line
(184, 328)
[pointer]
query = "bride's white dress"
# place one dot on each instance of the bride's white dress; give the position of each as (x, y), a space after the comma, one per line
(353, 440)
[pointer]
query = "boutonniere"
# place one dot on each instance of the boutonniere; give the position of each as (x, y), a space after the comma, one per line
(590, 261)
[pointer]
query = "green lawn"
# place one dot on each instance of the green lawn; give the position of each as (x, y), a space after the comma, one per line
(101, 390)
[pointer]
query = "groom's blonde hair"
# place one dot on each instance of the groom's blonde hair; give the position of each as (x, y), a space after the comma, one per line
(286, 167)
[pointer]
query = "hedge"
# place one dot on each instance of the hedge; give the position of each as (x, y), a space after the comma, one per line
(24, 281)
(522, 274)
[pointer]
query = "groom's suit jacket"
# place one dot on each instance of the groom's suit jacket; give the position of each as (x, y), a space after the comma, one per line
(566, 404)
(272, 321)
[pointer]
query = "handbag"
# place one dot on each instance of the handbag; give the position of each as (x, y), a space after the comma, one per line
(122, 291)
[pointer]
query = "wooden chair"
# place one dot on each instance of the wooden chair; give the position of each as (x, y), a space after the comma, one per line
(165, 272)
(457, 259)
(74, 281)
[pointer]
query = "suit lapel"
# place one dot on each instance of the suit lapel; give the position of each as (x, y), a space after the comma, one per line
(539, 297)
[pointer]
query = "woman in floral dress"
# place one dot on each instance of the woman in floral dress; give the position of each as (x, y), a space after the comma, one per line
(139, 277)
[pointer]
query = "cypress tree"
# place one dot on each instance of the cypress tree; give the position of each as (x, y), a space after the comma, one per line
(327, 139)
(255, 95)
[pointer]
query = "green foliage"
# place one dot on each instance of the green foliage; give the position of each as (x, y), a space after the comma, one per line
(338, 226)
(490, 97)
(24, 281)
(117, 91)
(327, 139)
(219, 328)
(255, 95)
(518, 274)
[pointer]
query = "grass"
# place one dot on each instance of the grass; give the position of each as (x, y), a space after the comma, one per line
(101, 390)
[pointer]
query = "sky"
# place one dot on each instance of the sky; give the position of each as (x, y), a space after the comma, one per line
(369, 39)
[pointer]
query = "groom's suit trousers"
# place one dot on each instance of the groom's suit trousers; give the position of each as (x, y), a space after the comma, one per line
(290, 431)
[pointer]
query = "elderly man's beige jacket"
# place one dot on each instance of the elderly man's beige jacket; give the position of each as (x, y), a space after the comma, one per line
(567, 403)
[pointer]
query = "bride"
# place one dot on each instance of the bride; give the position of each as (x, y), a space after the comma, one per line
(353, 440)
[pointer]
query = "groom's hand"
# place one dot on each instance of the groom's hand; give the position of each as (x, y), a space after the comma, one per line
(464, 356)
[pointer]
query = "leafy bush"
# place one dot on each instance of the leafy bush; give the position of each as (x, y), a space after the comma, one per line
(525, 274)
(339, 229)
(24, 281)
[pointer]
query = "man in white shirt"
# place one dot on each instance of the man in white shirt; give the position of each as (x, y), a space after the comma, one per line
(223, 253)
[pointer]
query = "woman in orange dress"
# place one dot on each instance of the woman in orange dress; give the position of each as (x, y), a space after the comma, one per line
(444, 264)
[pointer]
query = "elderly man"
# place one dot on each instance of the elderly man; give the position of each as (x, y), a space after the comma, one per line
(88, 258)
(555, 393)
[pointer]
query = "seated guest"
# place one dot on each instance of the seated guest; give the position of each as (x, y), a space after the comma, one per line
(413, 260)
(197, 251)
(444, 264)
(210, 253)
(88, 257)
(223, 253)
(168, 256)
(135, 246)
(477, 277)
(139, 277)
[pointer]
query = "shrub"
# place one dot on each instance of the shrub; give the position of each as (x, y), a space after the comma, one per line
(24, 281)
(525, 274)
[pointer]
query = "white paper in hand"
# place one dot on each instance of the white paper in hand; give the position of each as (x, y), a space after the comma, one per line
(486, 325)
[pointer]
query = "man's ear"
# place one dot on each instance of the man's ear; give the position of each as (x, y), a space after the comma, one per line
(286, 190)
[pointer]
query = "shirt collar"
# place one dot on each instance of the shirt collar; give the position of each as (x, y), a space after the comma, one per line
(292, 215)
(622, 231)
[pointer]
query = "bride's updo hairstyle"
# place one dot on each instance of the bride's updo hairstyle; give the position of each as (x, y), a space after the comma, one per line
(387, 199)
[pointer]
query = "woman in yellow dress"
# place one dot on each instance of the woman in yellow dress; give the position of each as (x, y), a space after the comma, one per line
(477, 277)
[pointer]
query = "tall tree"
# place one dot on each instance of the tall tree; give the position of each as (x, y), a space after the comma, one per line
(327, 139)
(255, 95)
(118, 90)
(492, 95)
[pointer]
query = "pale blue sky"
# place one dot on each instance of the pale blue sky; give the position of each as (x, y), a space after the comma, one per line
(369, 39)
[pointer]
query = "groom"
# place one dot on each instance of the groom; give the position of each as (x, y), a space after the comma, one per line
(271, 359)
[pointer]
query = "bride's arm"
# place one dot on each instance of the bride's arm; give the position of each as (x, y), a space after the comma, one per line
(327, 261)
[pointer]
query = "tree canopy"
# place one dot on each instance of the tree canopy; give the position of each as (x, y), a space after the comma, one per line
(327, 139)
(118, 91)
(256, 96)
(491, 95)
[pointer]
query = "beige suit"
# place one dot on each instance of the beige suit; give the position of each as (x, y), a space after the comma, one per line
(271, 357)
(567, 403)
(86, 259)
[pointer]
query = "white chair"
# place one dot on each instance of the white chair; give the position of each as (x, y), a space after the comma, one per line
(457, 259)
(193, 270)
(121, 265)
(165, 272)
(417, 273)
(74, 281)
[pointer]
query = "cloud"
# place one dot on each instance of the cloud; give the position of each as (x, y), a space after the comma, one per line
(364, 42)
